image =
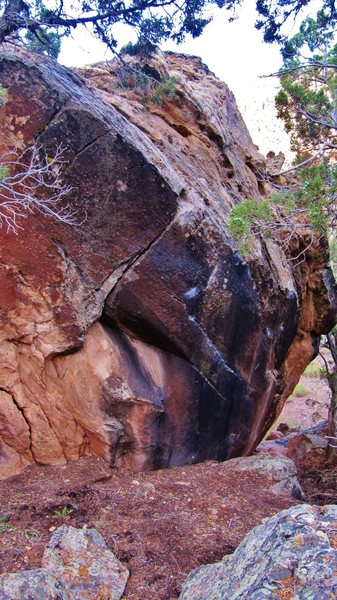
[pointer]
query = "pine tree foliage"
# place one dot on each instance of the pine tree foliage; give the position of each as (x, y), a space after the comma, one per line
(42, 23)
(273, 15)
(307, 208)
(307, 103)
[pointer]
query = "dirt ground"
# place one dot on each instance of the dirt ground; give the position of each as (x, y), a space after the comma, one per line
(162, 524)
(302, 412)
(320, 486)
(310, 404)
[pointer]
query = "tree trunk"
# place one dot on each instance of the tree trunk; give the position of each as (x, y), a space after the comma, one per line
(332, 452)
(332, 380)
(13, 18)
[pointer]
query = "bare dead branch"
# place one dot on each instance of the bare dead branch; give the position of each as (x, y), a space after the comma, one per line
(34, 183)
(301, 164)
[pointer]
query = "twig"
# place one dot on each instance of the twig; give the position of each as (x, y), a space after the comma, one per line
(35, 184)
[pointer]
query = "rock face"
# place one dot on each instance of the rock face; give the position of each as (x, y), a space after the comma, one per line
(76, 564)
(292, 555)
(142, 335)
(308, 449)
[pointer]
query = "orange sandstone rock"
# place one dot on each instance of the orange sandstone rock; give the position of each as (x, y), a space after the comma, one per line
(142, 335)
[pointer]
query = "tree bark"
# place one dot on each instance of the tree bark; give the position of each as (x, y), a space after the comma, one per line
(332, 380)
(13, 18)
(332, 451)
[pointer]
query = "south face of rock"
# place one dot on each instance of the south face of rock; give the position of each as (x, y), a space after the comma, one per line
(140, 334)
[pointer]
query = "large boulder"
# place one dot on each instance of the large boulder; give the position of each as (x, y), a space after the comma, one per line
(142, 335)
(291, 555)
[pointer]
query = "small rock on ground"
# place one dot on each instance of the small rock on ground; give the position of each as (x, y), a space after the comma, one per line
(77, 565)
(280, 470)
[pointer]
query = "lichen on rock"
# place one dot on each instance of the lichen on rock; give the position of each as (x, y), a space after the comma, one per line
(76, 564)
(293, 554)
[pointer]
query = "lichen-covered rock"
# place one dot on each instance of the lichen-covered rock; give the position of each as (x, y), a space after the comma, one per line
(77, 564)
(143, 336)
(34, 584)
(279, 470)
(291, 555)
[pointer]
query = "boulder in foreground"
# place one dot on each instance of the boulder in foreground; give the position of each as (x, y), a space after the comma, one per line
(291, 555)
(77, 564)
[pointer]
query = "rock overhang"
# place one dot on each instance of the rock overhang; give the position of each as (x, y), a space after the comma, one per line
(154, 263)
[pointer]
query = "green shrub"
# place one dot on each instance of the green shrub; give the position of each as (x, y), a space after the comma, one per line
(310, 208)
(65, 511)
(247, 219)
(165, 89)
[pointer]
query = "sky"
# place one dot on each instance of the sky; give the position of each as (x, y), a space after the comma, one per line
(235, 52)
